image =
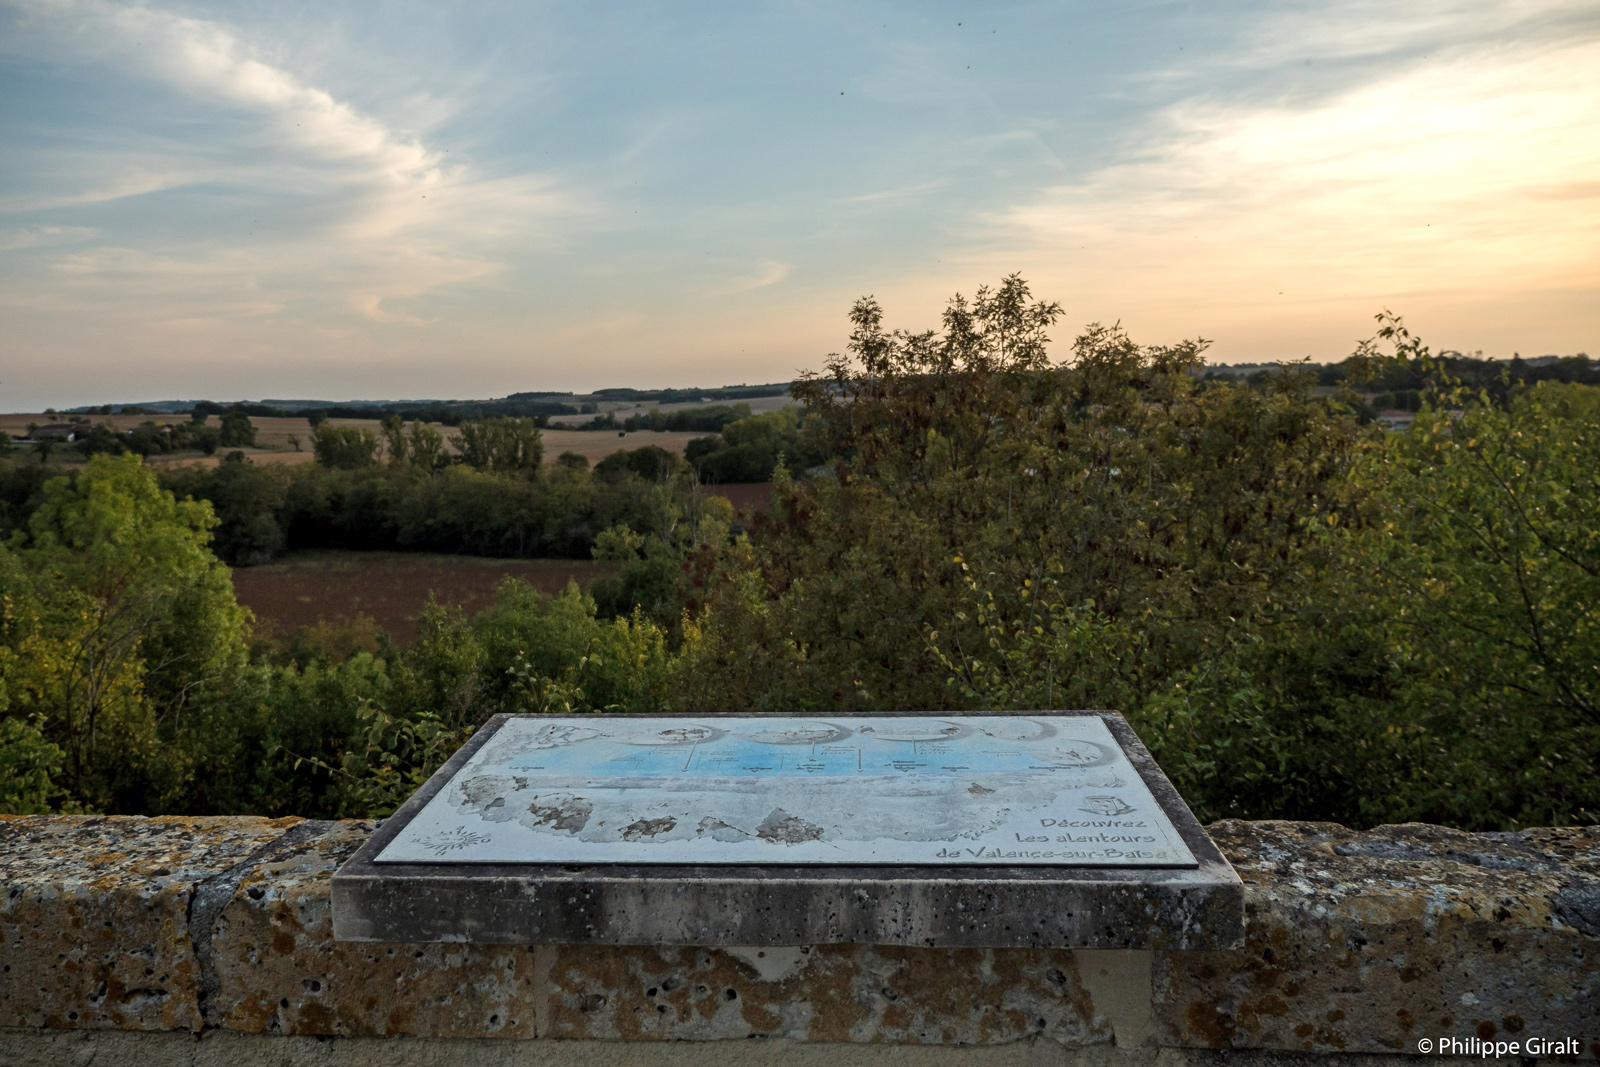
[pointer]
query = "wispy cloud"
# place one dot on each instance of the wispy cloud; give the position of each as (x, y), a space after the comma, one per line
(1468, 170)
(767, 272)
(502, 196)
(901, 192)
(35, 236)
(398, 219)
(132, 181)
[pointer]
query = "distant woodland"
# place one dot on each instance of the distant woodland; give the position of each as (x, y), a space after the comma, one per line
(1304, 614)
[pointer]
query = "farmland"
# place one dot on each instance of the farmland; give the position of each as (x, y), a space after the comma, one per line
(288, 440)
(760, 405)
(390, 587)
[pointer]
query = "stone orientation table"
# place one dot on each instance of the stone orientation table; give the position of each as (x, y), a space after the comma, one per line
(1034, 830)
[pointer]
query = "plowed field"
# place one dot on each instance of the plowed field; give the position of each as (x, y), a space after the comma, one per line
(392, 587)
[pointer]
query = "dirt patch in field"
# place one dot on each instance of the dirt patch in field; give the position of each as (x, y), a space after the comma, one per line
(391, 587)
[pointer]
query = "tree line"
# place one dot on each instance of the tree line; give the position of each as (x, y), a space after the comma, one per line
(1304, 616)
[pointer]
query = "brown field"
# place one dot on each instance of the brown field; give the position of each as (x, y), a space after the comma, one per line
(391, 587)
(596, 445)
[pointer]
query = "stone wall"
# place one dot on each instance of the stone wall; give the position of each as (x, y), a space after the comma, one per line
(209, 940)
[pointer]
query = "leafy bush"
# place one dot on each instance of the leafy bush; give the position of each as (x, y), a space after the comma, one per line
(28, 765)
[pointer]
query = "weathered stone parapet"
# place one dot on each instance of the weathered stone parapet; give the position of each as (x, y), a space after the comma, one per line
(1356, 942)
(1369, 941)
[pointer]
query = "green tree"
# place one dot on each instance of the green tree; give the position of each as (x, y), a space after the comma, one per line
(248, 501)
(423, 448)
(1484, 567)
(236, 431)
(1131, 532)
(103, 438)
(652, 463)
(344, 447)
(502, 444)
(196, 434)
(124, 632)
(750, 449)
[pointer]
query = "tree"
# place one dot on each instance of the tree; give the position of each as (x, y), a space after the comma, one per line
(102, 438)
(651, 463)
(998, 528)
(196, 434)
(423, 448)
(122, 631)
(344, 447)
(28, 763)
(237, 431)
(506, 445)
(248, 500)
(1484, 565)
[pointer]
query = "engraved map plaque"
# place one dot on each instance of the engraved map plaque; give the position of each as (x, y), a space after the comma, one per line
(937, 791)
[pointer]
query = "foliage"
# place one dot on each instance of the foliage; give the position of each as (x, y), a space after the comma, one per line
(344, 447)
(751, 449)
(422, 448)
(652, 463)
(501, 444)
(1302, 615)
(415, 502)
(121, 631)
(1484, 565)
(1160, 502)
(246, 500)
(236, 431)
(713, 418)
(21, 493)
(28, 765)
(389, 760)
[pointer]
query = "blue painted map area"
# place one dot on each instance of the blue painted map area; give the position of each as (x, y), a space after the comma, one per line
(800, 748)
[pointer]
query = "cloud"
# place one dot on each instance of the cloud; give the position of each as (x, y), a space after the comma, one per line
(1380, 29)
(133, 181)
(1467, 171)
(34, 236)
(371, 305)
(902, 192)
(376, 212)
(767, 272)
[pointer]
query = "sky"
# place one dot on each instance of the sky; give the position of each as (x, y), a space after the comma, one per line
(422, 200)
